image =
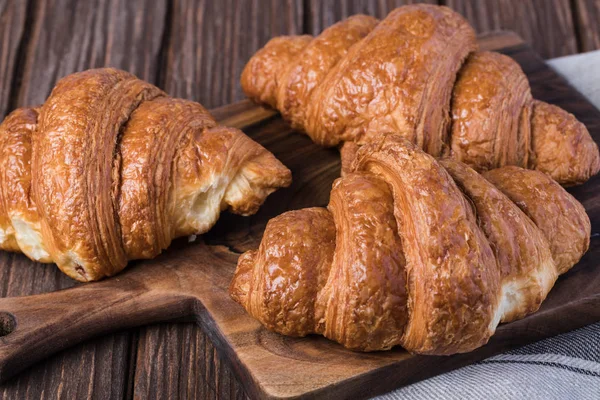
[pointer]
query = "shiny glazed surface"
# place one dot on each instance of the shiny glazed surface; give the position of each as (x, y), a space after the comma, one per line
(417, 73)
(113, 169)
(412, 251)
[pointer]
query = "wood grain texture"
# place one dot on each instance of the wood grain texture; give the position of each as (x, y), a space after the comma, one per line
(547, 25)
(191, 279)
(12, 24)
(80, 372)
(587, 18)
(497, 40)
(61, 37)
(210, 42)
(325, 13)
(90, 370)
(242, 114)
(199, 366)
(72, 35)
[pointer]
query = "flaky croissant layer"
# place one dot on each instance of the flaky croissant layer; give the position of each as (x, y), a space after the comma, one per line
(111, 169)
(429, 255)
(418, 73)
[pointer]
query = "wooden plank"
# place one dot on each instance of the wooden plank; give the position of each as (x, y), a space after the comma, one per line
(192, 365)
(12, 22)
(210, 42)
(547, 25)
(587, 16)
(326, 13)
(66, 36)
(498, 40)
(71, 35)
(241, 114)
(90, 370)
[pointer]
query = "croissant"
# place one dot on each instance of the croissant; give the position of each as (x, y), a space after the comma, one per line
(418, 73)
(111, 169)
(411, 251)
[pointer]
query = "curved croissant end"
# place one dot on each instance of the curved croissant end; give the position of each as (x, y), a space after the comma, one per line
(453, 275)
(491, 113)
(527, 268)
(261, 75)
(343, 84)
(414, 252)
(20, 228)
(112, 169)
(562, 146)
(495, 122)
(560, 217)
(417, 74)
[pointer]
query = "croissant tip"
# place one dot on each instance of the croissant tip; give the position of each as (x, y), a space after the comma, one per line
(240, 283)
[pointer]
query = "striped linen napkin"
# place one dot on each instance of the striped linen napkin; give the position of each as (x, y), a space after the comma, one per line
(562, 367)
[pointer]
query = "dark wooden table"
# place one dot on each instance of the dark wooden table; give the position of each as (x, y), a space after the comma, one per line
(193, 49)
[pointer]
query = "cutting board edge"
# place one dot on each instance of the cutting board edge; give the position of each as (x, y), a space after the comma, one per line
(340, 389)
(500, 40)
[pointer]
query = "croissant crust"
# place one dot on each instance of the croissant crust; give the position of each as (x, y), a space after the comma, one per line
(429, 255)
(417, 73)
(113, 169)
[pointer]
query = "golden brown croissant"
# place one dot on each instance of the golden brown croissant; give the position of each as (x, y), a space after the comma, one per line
(425, 254)
(417, 73)
(111, 169)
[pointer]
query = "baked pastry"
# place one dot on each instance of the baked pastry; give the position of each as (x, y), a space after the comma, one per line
(111, 169)
(418, 73)
(411, 251)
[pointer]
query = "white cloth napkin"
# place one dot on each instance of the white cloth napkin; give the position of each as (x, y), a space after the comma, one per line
(563, 367)
(583, 73)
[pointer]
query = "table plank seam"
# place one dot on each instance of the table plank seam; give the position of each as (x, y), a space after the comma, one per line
(131, 365)
(576, 12)
(21, 58)
(165, 45)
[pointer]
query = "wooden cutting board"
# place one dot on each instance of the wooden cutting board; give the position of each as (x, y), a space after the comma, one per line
(190, 280)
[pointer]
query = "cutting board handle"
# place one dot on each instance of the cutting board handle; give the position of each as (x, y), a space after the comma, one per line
(34, 327)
